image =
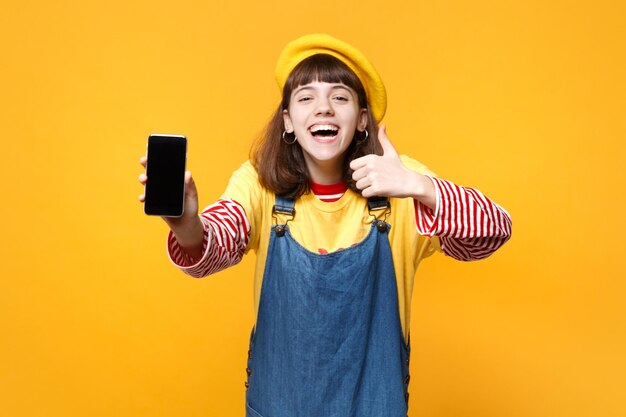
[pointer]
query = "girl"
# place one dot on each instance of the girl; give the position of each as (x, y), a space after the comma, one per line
(339, 223)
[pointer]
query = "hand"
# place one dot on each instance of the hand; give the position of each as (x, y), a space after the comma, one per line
(384, 175)
(188, 228)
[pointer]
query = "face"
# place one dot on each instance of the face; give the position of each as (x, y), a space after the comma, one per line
(324, 117)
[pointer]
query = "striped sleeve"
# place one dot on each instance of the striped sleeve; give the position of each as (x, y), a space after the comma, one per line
(469, 225)
(226, 233)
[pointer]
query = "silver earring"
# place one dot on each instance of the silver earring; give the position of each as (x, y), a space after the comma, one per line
(292, 142)
(364, 139)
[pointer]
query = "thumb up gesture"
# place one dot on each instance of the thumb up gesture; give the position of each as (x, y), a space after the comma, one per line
(384, 175)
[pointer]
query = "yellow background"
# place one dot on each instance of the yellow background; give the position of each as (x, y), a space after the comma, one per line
(521, 99)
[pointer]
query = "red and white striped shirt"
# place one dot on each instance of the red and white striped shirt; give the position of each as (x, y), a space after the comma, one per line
(469, 227)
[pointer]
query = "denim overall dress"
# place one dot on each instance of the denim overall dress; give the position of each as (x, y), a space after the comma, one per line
(328, 340)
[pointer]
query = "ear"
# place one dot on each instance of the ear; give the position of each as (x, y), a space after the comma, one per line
(287, 121)
(362, 120)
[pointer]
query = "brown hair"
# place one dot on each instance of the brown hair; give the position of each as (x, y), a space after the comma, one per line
(281, 166)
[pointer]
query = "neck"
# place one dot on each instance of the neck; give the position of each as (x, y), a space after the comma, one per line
(325, 172)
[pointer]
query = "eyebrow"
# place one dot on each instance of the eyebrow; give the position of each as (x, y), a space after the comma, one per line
(334, 87)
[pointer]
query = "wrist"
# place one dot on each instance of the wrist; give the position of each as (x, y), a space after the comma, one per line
(424, 190)
(189, 235)
(414, 184)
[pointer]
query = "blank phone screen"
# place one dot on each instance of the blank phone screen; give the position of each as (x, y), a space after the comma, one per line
(165, 188)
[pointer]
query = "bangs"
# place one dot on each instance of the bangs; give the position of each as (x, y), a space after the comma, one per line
(323, 68)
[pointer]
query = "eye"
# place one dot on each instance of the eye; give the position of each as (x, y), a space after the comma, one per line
(341, 98)
(304, 99)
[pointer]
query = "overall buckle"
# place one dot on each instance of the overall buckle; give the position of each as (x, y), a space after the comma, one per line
(377, 204)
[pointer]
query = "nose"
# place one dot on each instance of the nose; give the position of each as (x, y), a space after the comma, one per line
(324, 107)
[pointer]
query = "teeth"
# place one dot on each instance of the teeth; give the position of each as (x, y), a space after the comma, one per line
(324, 127)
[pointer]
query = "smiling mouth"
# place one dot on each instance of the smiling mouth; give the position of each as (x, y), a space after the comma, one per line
(325, 134)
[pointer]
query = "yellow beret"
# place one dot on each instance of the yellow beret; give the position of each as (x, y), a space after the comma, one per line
(321, 43)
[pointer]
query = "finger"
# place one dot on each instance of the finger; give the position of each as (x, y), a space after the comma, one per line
(388, 148)
(143, 161)
(189, 182)
(360, 162)
(142, 197)
(143, 178)
(368, 192)
(359, 173)
(363, 183)
(190, 186)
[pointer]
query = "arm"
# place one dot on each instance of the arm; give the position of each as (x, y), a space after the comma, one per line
(207, 243)
(225, 237)
(469, 225)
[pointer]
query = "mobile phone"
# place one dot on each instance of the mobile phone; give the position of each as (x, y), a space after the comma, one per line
(165, 168)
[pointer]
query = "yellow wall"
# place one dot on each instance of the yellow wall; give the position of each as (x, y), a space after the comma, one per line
(520, 99)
